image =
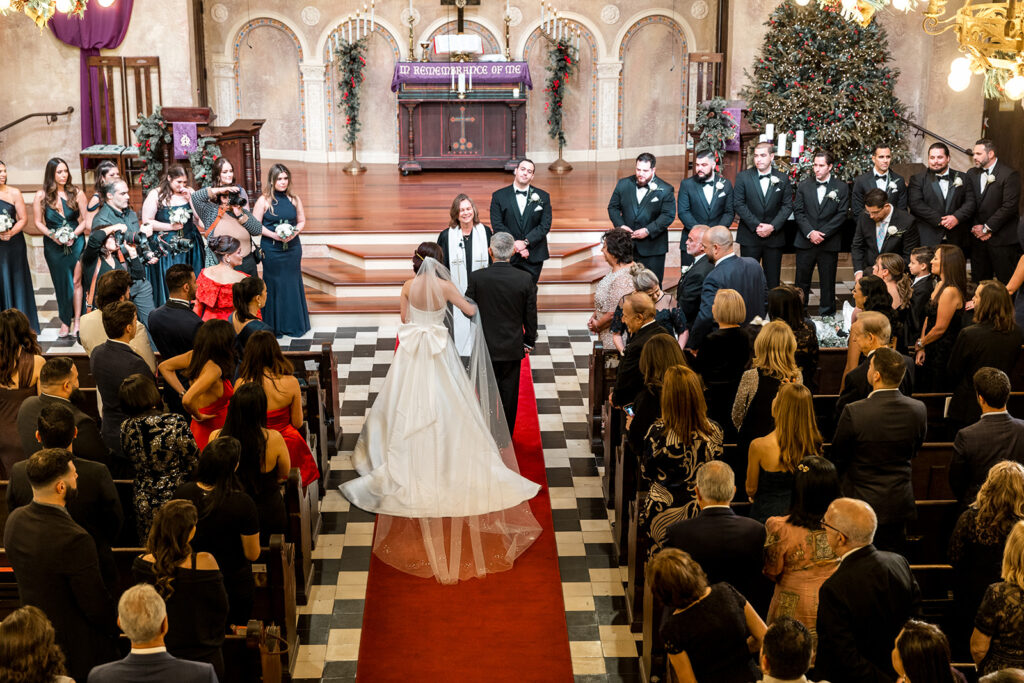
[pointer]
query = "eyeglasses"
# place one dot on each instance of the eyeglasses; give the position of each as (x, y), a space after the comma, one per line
(829, 526)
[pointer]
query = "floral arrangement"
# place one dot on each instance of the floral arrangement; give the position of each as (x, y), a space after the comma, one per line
(284, 231)
(41, 11)
(6, 222)
(351, 64)
(562, 63)
(152, 133)
(65, 235)
(179, 215)
(716, 126)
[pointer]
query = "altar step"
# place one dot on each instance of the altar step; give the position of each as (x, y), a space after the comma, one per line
(377, 256)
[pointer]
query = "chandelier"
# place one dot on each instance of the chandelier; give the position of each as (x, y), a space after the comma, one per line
(860, 11)
(41, 11)
(990, 36)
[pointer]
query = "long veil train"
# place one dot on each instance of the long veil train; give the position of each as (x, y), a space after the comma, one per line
(435, 455)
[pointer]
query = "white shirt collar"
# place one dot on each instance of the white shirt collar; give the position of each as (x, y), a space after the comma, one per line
(849, 552)
(148, 650)
(918, 279)
(729, 255)
(698, 257)
(885, 221)
(118, 341)
(991, 168)
(878, 391)
(996, 412)
(180, 301)
(708, 507)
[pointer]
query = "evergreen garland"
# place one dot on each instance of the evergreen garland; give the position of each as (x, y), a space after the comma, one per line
(562, 63)
(201, 159)
(716, 126)
(152, 133)
(827, 76)
(351, 64)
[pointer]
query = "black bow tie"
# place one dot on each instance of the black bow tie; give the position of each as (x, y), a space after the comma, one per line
(944, 176)
(707, 181)
(523, 192)
(881, 177)
(821, 183)
(763, 176)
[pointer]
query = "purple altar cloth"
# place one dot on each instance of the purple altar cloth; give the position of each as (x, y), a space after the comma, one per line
(441, 72)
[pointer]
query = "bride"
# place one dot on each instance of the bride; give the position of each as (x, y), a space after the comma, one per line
(434, 455)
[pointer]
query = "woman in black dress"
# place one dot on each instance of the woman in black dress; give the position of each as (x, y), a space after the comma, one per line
(264, 460)
(723, 357)
(711, 630)
(943, 318)
(247, 297)
(280, 211)
(998, 638)
(16, 290)
(786, 303)
(190, 583)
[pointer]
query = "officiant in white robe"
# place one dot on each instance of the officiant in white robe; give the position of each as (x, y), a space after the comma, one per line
(464, 245)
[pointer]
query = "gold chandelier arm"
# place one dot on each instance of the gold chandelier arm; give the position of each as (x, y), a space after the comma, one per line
(934, 26)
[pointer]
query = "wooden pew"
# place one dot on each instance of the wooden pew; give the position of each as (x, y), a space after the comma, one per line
(928, 535)
(930, 472)
(831, 363)
(602, 369)
(274, 599)
(936, 583)
(297, 504)
(611, 433)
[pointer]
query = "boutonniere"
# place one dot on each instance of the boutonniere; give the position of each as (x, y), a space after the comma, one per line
(774, 180)
(957, 182)
(653, 185)
(892, 185)
(534, 197)
(719, 185)
(892, 230)
(832, 195)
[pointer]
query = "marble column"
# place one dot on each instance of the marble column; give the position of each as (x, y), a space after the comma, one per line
(608, 74)
(314, 83)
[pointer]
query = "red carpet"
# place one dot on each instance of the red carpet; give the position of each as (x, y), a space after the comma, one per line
(508, 626)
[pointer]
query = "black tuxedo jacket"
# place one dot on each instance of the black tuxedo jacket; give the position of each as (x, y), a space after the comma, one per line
(111, 362)
(728, 547)
(656, 213)
(532, 225)
(928, 206)
(694, 209)
(896, 189)
(690, 286)
(856, 386)
(861, 609)
(993, 438)
(735, 272)
(827, 217)
(979, 346)
(998, 206)
(88, 444)
(919, 304)
(158, 667)
(875, 440)
(173, 327)
(57, 570)
(865, 246)
(629, 380)
(754, 208)
(507, 299)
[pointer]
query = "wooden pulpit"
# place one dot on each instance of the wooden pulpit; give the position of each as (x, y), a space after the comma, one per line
(239, 143)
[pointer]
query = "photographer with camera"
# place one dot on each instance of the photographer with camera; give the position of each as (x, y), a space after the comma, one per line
(168, 209)
(118, 242)
(222, 211)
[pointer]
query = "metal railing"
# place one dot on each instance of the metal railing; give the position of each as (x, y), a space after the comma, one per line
(51, 117)
(924, 131)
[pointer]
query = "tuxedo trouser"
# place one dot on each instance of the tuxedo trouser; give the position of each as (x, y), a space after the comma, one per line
(988, 261)
(532, 268)
(506, 373)
(655, 264)
(827, 262)
(771, 261)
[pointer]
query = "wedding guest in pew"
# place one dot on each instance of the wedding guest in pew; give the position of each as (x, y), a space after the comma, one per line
(999, 624)
(871, 294)
(111, 287)
(96, 507)
(893, 271)
(190, 583)
(728, 547)
(658, 356)
(709, 630)
(773, 458)
(1004, 676)
(864, 604)
(723, 358)
(228, 524)
(995, 437)
(976, 546)
(247, 298)
(870, 332)
(786, 303)
(943, 319)
(159, 445)
(920, 268)
(29, 650)
(993, 341)
(796, 555)
(787, 650)
(174, 325)
(921, 653)
(617, 248)
(58, 385)
(215, 282)
(638, 312)
(21, 361)
(668, 313)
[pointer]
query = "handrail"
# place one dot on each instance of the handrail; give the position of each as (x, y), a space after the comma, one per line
(51, 117)
(938, 137)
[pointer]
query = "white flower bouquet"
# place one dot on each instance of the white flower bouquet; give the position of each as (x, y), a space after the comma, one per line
(6, 222)
(284, 231)
(65, 235)
(179, 215)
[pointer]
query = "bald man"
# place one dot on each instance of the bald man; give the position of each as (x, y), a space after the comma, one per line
(638, 315)
(864, 604)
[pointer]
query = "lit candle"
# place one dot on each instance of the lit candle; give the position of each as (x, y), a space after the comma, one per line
(410, 11)
(782, 144)
(359, 26)
(371, 16)
(471, 79)
(577, 39)
(769, 130)
(798, 143)
(453, 78)
(462, 82)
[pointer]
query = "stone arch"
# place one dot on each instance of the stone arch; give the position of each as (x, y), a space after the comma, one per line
(529, 29)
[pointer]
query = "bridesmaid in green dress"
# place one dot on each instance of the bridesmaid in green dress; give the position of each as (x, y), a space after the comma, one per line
(58, 210)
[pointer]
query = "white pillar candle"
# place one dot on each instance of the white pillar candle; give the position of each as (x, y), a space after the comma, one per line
(798, 143)
(764, 138)
(769, 130)
(515, 93)
(471, 79)
(462, 82)
(782, 144)
(371, 16)
(453, 78)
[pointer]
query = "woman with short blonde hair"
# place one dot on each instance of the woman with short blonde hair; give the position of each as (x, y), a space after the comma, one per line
(728, 307)
(999, 625)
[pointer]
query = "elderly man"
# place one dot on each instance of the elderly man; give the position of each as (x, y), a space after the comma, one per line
(871, 331)
(142, 615)
(864, 604)
(692, 280)
(786, 651)
(638, 314)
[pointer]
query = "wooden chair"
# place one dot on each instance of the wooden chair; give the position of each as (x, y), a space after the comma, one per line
(109, 124)
(707, 71)
(141, 99)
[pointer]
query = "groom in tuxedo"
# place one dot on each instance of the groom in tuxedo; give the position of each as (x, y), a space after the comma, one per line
(645, 205)
(524, 212)
(507, 300)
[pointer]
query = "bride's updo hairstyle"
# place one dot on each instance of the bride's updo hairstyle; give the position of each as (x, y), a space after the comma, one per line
(424, 251)
(222, 245)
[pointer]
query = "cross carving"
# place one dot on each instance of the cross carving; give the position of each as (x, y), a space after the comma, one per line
(462, 145)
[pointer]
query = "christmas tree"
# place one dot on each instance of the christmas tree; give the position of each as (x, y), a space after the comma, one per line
(828, 76)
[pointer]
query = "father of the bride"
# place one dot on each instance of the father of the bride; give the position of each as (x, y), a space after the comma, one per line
(507, 300)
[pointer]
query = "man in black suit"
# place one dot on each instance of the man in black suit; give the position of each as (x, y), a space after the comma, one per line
(705, 198)
(507, 300)
(880, 177)
(645, 205)
(728, 547)
(638, 315)
(920, 268)
(56, 566)
(524, 212)
(881, 229)
(864, 604)
(173, 326)
(995, 437)
(763, 199)
(96, 507)
(58, 381)
(942, 200)
(729, 272)
(692, 281)
(819, 207)
(871, 331)
(111, 362)
(995, 244)
(875, 440)
(786, 651)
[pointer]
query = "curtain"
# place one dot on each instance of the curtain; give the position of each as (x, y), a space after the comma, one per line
(101, 28)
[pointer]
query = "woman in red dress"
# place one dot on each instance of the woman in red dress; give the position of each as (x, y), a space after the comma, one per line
(213, 286)
(264, 363)
(209, 367)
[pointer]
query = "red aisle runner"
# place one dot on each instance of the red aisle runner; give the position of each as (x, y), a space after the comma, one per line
(508, 626)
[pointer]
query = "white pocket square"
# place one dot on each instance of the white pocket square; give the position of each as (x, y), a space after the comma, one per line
(654, 199)
(538, 209)
(721, 194)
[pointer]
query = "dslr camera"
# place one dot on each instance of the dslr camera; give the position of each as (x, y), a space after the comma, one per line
(148, 250)
(179, 245)
(235, 197)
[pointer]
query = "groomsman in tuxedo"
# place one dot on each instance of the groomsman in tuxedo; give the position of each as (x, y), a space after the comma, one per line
(819, 207)
(763, 199)
(881, 229)
(645, 205)
(705, 198)
(994, 240)
(881, 178)
(524, 212)
(942, 200)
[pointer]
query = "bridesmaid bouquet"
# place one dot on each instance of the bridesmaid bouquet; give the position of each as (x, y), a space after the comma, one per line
(65, 235)
(284, 231)
(179, 215)
(6, 222)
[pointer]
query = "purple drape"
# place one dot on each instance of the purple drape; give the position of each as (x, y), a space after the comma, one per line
(101, 28)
